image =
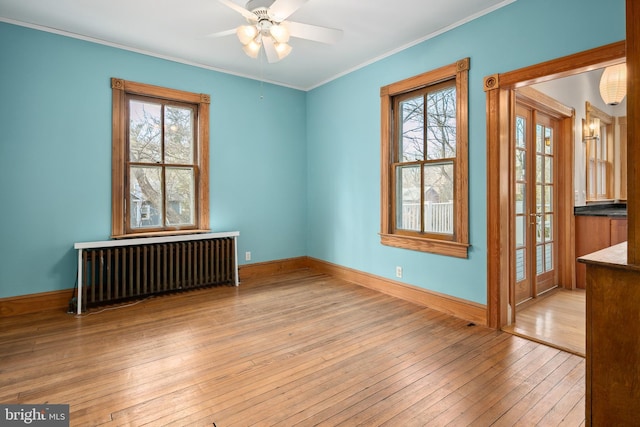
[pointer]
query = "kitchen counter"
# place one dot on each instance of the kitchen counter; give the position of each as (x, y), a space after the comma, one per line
(611, 210)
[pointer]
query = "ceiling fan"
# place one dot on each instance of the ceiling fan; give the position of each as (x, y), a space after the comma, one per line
(267, 27)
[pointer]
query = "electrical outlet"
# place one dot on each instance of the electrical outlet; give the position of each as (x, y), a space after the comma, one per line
(247, 256)
(399, 272)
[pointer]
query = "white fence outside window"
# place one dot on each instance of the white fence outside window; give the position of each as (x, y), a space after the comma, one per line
(438, 217)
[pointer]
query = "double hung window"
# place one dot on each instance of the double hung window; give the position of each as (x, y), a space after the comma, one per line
(160, 160)
(424, 162)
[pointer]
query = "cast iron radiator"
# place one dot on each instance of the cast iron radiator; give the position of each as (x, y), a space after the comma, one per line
(137, 268)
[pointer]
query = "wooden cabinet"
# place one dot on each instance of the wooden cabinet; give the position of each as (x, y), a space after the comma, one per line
(613, 348)
(594, 233)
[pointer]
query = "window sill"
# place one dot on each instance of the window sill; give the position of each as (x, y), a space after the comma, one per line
(441, 247)
(160, 234)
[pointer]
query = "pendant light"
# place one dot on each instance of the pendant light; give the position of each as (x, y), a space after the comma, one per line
(613, 84)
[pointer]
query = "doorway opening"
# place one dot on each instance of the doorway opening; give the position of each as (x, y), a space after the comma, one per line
(531, 245)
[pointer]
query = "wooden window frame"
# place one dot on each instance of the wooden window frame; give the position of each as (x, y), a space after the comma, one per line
(121, 89)
(458, 243)
(605, 143)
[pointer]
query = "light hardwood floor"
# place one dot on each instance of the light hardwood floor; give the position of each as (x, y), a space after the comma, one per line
(300, 348)
(557, 320)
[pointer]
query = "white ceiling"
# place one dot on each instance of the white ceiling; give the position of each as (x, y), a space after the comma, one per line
(177, 30)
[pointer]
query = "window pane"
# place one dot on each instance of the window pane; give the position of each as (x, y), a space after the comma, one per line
(180, 196)
(438, 198)
(145, 136)
(602, 178)
(441, 124)
(408, 198)
(145, 197)
(412, 129)
(179, 139)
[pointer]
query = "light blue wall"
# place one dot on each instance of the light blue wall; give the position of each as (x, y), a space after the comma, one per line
(55, 154)
(307, 183)
(344, 135)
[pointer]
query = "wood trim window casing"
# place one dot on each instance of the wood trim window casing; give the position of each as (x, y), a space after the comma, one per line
(458, 244)
(119, 185)
(600, 161)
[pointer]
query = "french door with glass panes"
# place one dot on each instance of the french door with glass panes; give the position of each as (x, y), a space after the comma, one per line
(535, 210)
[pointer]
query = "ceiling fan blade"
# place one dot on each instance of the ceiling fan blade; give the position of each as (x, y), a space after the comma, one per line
(313, 32)
(222, 33)
(282, 9)
(270, 50)
(241, 10)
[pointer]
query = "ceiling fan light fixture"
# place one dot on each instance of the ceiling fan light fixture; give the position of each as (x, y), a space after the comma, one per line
(252, 49)
(279, 33)
(246, 33)
(283, 50)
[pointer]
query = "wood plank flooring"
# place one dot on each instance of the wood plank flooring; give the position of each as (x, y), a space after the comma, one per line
(297, 349)
(557, 320)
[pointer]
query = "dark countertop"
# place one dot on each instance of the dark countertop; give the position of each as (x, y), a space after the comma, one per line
(615, 210)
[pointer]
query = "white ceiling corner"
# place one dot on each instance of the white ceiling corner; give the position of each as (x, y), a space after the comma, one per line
(178, 31)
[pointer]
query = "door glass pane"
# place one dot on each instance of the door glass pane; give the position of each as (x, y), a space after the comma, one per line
(438, 198)
(548, 227)
(145, 197)
(441, 123)
(178, 139)
(521, 165)
(539, 168)
(548, 198)
(521, 198)
(411, 133)
(520, 264)
(521, 123)
(548, 141)
(180, 196)
(521, 222)
(539, 198)
(408, 197)
(548, 257)
(539, 139)
(539, 259)
(145, 132)
(539, 229)
(548, 170)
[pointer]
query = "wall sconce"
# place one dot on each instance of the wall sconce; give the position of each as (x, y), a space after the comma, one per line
(590, 124)
(589, 130)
